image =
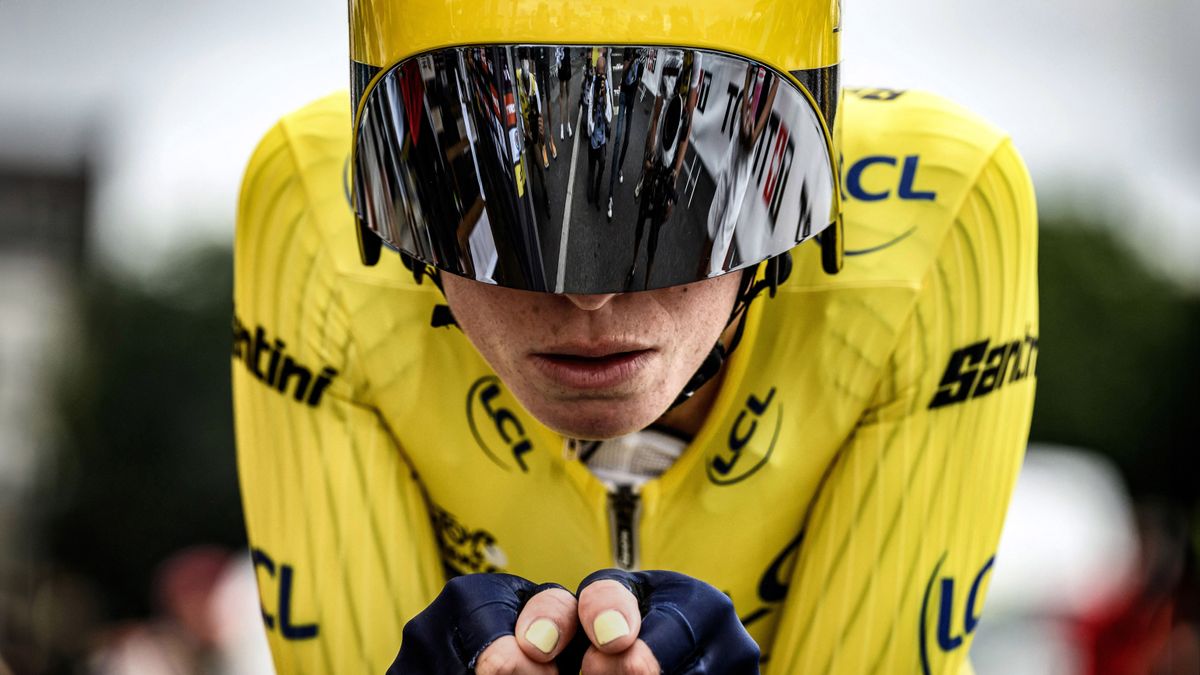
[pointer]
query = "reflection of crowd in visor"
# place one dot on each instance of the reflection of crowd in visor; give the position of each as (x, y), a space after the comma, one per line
(631, 76)
(437, 204)
(462, 158)
(666, 147)
(456, 149)
(532, 114)
(503, 227)
(542, 59)
(755, 103)
(562, 61)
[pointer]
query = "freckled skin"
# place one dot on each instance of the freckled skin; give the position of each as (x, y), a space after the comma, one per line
(680, 324)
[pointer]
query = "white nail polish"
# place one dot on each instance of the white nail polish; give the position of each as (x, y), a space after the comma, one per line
(610, 625)
(542, 634)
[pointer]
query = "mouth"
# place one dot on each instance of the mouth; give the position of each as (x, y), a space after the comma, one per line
(592, 367)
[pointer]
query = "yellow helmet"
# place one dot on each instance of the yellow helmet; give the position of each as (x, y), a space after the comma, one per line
(731, 108)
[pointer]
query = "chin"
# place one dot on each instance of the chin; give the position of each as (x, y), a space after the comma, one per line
(600, 419)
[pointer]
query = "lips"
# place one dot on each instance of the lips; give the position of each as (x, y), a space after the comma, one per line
(592, 366)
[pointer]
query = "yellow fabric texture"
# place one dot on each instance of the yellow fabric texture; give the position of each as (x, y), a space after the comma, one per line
(847, 490)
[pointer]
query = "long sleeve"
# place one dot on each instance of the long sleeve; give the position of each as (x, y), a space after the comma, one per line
(337, 522)
(899, 545)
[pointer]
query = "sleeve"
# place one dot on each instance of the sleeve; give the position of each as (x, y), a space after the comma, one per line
(591, 118)
(608, 89)
(899, 545)
(338, 527)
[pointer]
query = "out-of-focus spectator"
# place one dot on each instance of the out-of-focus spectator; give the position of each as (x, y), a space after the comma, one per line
(1151, 626)
(1086, 582)
(234, 609)
(208, 622)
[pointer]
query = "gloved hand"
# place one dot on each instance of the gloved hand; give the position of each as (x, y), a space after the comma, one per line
(493, 623)
(651, 622)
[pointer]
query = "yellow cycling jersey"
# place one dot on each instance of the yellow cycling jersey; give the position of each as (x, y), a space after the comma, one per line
(847, 489)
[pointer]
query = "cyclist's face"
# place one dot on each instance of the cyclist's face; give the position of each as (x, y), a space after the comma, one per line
(594, 366)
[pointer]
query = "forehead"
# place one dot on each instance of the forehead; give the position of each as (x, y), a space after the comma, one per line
(787, 34)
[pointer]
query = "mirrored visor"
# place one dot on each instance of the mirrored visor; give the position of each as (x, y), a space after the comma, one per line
(595, 169)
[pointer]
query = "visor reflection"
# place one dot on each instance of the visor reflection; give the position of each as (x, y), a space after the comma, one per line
(706, 162)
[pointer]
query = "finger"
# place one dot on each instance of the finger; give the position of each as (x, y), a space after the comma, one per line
(505, 657)
(547, 624)
(637, 660)
(609, 614)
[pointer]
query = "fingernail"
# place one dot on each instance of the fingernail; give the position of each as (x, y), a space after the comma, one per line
(609, 626)
(542, 634)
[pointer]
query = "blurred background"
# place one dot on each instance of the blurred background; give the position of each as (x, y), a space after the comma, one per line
(124, 130)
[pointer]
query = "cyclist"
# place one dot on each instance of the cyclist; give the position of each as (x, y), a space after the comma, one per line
(800, 461)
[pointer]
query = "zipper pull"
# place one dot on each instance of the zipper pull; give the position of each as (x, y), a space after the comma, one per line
(624, 510)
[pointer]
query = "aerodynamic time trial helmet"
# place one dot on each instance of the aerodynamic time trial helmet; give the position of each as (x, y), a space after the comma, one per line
(731, 123)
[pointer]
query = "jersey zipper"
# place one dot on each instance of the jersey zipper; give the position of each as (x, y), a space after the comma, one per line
(624, 509)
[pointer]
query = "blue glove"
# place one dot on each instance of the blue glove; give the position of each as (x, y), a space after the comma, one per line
(691, 627)
(470, 613)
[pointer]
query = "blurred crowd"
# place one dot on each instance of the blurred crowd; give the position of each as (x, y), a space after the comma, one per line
(1088, 581)
(204, 620)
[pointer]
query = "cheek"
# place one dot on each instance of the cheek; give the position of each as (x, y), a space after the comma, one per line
(491, 320)
(702, 310)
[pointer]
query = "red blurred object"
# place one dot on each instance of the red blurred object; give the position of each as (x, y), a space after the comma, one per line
(1154, 627)
(184, 585)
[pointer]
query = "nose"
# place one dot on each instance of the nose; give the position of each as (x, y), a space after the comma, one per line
(590, 302)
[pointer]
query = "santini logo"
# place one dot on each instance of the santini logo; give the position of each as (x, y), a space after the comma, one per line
(282, 372)
(976, 371)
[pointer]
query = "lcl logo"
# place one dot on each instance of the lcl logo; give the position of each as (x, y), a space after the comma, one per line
(496, 428)
(957, 606)
(727, 467)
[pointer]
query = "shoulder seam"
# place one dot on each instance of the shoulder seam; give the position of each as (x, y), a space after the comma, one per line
(285, 131)
(337, 291)
(1002, 140)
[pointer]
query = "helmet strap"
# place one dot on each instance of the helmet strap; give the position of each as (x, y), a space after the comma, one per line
(778, 269)
(442, 316)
